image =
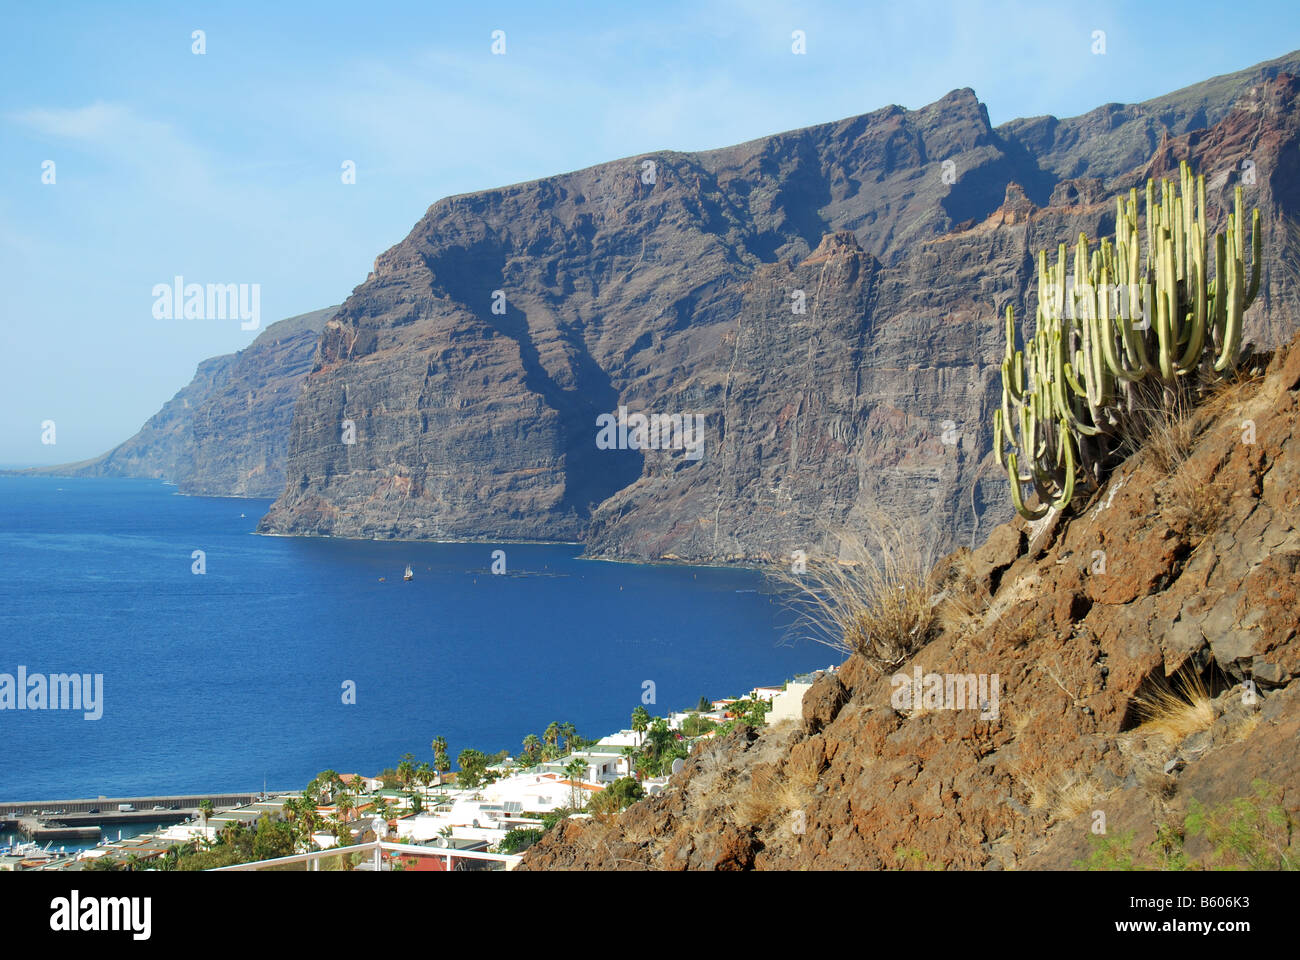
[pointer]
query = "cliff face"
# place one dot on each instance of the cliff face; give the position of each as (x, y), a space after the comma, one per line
(824, 298)
(1187, 563)
(226, 432)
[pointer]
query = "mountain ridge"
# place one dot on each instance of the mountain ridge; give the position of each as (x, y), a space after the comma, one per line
(663, 283)
(223, 433)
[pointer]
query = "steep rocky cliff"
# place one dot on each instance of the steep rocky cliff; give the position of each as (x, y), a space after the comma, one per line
(1146, 651)
(226, 432)
(824, 299)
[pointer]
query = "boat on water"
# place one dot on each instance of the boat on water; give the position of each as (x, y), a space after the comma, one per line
(409, 574)
(32, 852)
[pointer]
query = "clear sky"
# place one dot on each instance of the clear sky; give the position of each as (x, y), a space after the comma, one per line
(226, 167)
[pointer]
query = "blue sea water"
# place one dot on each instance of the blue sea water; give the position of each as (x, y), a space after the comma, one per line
(234, 678)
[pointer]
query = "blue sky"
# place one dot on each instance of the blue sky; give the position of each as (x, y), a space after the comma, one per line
(225, 167)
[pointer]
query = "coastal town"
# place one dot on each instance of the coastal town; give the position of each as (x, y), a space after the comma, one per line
(414, 816)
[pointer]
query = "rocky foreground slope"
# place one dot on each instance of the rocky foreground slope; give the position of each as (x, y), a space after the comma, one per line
(226, 432)
(824, 299)
(1185, 564)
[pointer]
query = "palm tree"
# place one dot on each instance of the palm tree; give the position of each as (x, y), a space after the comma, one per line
(532, 746)
(574, 770)
(173, 856)
(323, 788)
(307, 823)
(568, 732)
(628, 754)
(405, 773)
(552, 735)
(441, 758)
(640, 720)
(205, 811)
(345, 803)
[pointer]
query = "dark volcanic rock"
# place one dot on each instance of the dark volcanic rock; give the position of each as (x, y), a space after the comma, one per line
(226, 432)
(902, 234)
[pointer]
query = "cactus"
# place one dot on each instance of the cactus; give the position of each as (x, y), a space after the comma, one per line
(1070, 395)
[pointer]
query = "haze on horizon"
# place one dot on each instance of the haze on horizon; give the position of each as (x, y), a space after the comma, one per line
(226, 167)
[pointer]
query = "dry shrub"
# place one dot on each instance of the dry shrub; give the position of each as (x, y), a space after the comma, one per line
(705, 787)
(1039, 791)
(1019, 627)
(1072, 799)
(803, 770)
(875, 599)
(1194, 505)
(1167, 433)
(1226, 393)
(757, 804)
(964, 599)
(1061, 797)
(1020, 722)
(1159, 786)
(1244, 727)
(1174, 710)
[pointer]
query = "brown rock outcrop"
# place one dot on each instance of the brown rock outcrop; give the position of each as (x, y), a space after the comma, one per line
(1181, 564)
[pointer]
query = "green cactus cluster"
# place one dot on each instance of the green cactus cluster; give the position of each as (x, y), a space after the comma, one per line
(1123, 329)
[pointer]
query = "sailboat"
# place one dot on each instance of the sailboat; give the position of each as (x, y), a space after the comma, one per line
(408, 575)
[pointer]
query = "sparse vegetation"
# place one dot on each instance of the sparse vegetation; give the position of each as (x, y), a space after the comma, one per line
(1163, 432)
(1250, 833)
(519, 840)
(1195, 505)
(913, 858)
(875, 599)
(615, 798)
(1174, 710)
(1075, 797)
(964, 600)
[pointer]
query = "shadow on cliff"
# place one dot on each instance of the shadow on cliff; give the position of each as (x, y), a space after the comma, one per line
(591, 476)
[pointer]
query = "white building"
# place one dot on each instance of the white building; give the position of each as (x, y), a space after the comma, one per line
(788, 704)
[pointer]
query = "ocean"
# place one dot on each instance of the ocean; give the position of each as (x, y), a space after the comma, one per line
(236, 677)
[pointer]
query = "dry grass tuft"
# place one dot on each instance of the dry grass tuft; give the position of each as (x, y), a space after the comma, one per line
(965, 600)
(1245, 726)
(1020, 627)
(757, 804)
(1226, 394)
(1020, 722)
(1159, 786)
(1175, 710)
(802, 770)
(1197, 507)
(1170, 435)
(705, 787)
(1075, 798)
(875, 599)
(1039, 792)
(1061, 797)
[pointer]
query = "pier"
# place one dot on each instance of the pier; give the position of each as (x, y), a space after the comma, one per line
(186, 804)
(82, 819)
